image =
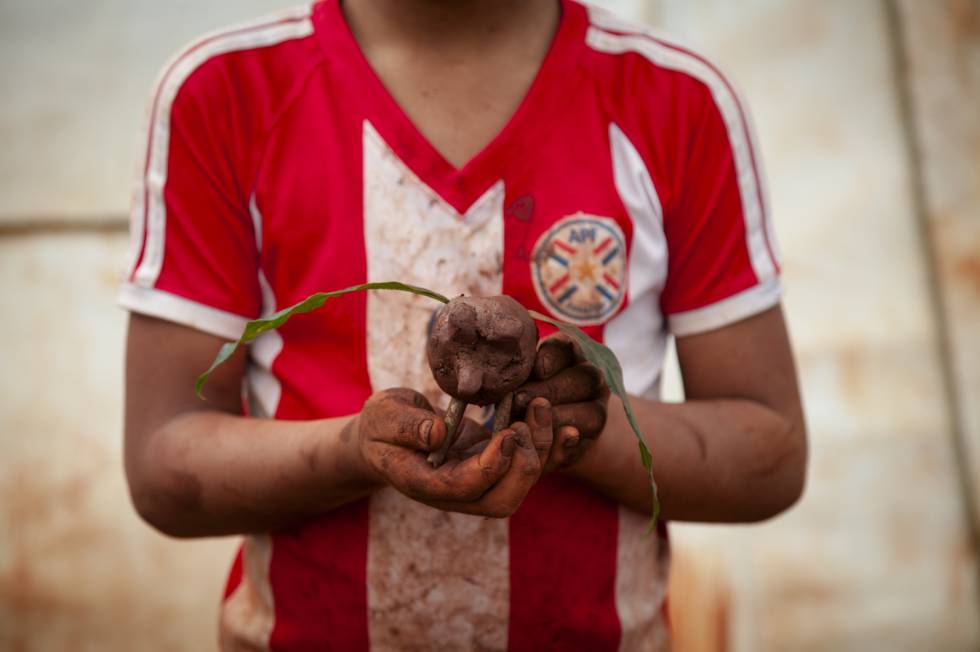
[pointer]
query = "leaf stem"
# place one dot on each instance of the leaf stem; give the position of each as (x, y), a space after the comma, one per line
(453, 419)
(501, 417)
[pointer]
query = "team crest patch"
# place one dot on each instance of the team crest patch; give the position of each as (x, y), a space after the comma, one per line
(579, 268)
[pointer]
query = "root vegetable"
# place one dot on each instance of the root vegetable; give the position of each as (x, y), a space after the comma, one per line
(480, 350)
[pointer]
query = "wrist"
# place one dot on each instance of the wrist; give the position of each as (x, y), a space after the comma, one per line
(600, 458)
(359, 473)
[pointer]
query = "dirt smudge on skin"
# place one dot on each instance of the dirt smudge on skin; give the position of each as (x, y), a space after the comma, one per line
(310, 449)
(188, 492)
(347, 431)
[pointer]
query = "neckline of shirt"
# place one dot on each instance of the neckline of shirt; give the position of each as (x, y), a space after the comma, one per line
(464, 185)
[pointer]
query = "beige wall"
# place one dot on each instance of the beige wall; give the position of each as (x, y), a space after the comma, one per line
(878, 555)
(867, 116)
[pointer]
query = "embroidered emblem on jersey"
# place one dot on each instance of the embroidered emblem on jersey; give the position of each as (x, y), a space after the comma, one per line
(579, 268)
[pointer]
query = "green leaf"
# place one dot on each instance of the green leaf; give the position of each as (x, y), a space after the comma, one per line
(596, 353)
(256, 327)
(603, 358)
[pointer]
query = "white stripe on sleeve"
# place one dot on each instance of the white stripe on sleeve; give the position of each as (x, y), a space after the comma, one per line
(636, 335)
(265, 32)
(180, 310)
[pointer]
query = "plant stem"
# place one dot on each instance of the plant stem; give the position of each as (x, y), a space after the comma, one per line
(454, 417)
(501, 417)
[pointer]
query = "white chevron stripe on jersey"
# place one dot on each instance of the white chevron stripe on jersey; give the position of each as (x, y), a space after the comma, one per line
(636, 337)
(249, 611)
(413, 235)
(642, 567)
(635, 334)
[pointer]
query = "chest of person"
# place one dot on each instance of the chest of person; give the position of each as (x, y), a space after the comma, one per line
(535, 214)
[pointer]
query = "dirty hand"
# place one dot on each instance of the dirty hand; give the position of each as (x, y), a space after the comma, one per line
(576, 390)
(397, 428)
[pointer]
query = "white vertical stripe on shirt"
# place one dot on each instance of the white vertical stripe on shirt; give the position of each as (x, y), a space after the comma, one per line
(642, 566)
(263, 388)
(636, 335)
(267, 31)
(638, 338)
(248, 615)
(456, 594)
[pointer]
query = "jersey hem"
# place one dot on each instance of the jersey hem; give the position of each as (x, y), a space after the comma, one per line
(727, 311)
(171, 307)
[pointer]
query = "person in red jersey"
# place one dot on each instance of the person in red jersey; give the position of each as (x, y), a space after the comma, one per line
(543, 149)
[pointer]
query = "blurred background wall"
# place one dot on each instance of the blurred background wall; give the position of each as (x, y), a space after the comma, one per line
(868, 113)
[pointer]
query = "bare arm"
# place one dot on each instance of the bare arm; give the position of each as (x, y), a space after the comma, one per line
(202, 469)
(735, 451)
(198, 469)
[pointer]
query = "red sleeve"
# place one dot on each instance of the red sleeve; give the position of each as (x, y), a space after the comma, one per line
(195, 258)
(721, 261)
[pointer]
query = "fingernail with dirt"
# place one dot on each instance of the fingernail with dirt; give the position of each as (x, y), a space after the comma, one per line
(425, 431)
(571, 442)
(507, 448)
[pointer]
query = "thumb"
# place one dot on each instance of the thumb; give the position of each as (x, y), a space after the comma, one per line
(539, 421)
(394, 420)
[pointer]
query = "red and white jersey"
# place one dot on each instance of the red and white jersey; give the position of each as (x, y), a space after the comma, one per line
(624, 195)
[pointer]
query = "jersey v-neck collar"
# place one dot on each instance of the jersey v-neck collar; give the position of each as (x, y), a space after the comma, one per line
(461, 187)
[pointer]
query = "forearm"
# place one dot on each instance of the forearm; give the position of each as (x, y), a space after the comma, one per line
(206, 473)
(714, 460)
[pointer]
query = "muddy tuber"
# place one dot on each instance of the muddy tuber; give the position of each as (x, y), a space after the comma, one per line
(480, 350)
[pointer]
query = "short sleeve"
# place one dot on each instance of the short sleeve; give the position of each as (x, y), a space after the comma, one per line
(722, 262)
(194, 257)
